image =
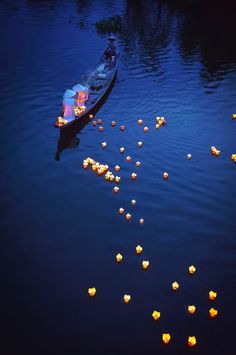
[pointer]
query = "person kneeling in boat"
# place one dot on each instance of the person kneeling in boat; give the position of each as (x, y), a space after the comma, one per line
(69, 101)
(82, 94)
(111, 53)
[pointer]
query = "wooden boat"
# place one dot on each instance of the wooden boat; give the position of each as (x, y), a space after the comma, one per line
(99, 82)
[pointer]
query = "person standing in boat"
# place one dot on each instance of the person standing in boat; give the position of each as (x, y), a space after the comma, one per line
(111, 53)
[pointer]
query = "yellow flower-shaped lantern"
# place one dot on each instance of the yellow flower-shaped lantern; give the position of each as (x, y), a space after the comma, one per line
(165, 175)
(233, 158)
(92, 291)
(214, 151)
(166, 338)
(119, 257)
(121, 210)
(192, 269)
(127, 298)
(213, 312)
(191, 309)
(212, 295)
(192, 341)
(156, 315)
(138, 249)
(128, 216)
(175, 286)
(145, 264)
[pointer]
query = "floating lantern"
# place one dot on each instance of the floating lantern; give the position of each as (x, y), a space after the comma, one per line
(127, 298)
(213, 312)
(122, 149)
(233, 157)
(175, 286)
(100, 128)
(117, 179)
(191, 269)
(116, 189)
(234, 116)
(145, 264)
(100, 171)
(192, 341)
(128, 158)
(161, 121)
(140, 121)
(107, 177)
(212, 295)
(99, 121)
(119, 258)
(138, 163)
(85, 164)
(117, 168)
(141, 221)
(191, 309)
(92, 291)
(128, 216)
(121, 210)
(165, 175)
(104, 144)
(157, 126)
(189, 156)
(112, 177)
(138, 249)
(61, 121)
(94, 167)
(113, 123)
(90, 117)
(133, 176)
(166, 338)
(122, 128)
(133, 202)
(140, 144)
(94, 123)
(215, 151)
(156, 315)
(145, 129)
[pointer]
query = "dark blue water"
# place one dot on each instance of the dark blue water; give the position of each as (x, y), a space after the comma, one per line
(60, 224)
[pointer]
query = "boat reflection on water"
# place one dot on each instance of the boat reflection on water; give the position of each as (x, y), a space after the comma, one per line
(68, 136)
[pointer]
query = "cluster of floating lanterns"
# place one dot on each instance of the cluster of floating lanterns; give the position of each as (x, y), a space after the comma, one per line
(96, 166)
(78, 110)
(102, 169)
(61, 121)
(160, 121)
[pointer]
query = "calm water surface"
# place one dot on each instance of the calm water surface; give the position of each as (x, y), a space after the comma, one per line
(60, 224)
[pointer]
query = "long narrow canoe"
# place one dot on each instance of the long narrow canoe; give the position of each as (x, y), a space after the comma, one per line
(99, 82)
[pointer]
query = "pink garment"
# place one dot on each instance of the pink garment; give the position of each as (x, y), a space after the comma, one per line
(68, 108)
